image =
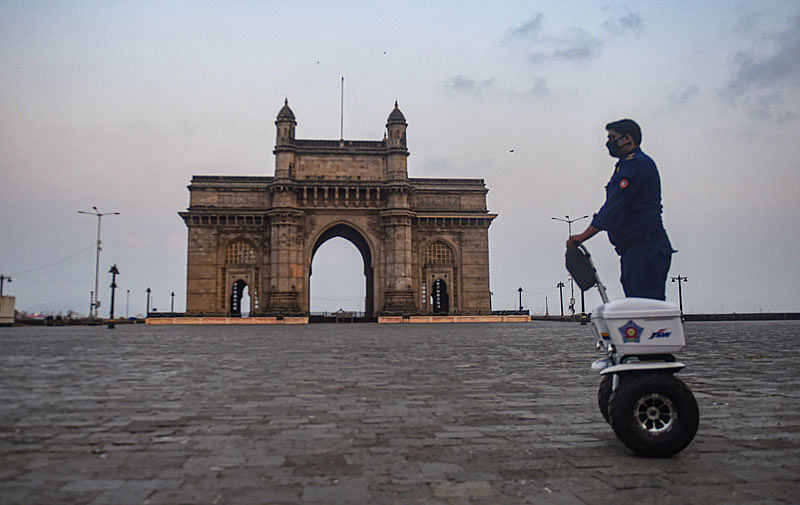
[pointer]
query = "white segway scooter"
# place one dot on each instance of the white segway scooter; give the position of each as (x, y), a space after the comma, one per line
(651, 411)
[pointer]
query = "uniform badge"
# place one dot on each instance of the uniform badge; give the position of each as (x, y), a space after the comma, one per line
(623, 184)
(630, 332)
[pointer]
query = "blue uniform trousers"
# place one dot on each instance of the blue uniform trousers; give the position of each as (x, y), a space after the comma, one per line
(644, 269)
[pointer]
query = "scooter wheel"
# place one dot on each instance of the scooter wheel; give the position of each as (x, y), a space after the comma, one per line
(604, 394)
(655, 414)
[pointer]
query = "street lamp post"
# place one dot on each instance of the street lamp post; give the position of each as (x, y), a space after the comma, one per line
(583, 310)
(571, 298)
(571, 284)
(679, 280)
(113, 273)
(3, 278)
(127, 302)
(560, 287)
(569, 221)
(96, 303)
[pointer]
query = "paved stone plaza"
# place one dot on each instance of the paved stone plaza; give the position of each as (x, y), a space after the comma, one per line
(368, 414)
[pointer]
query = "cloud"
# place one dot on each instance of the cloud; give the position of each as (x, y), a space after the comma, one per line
(683, 96)
(540, 87)
(539, 45)
(747, 22)
(759, 71)
(629, 23)
(465, 85)
(770, 106)
(537, 87)
(757, 79)
(530, 29)
(578, 45)
(572, 44)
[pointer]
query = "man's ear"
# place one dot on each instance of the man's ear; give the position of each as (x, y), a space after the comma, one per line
(627, 139)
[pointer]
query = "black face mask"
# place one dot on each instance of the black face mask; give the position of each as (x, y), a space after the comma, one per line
(614, 149)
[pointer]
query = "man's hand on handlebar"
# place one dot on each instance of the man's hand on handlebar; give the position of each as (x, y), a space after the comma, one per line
(575, 240)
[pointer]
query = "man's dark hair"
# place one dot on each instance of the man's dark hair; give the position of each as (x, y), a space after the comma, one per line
(625, 126)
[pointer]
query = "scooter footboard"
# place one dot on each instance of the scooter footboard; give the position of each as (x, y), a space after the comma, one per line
(650, 367)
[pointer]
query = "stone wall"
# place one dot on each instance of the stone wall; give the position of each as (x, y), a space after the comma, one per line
(343, 167)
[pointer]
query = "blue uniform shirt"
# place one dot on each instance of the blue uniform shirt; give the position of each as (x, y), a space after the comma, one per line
(633, 200)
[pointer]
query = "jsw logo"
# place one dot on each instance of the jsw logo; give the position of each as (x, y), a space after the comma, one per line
(662, 333)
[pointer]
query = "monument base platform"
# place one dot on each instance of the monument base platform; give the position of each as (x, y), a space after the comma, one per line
(159, 321)
(226, 320)
(454, 319)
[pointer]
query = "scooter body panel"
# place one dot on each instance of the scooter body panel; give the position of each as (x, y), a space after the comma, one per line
(640, 326)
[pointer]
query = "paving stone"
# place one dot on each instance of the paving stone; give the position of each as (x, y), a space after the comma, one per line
(434, 414)
(470, 490)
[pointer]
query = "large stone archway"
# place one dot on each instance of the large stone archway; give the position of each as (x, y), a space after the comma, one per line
(410, 231)
(357, 238)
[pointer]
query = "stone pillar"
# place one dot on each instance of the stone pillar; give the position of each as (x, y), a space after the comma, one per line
(286, 250)
(286, 262)
(475, 267)
(398, 295)
(201, 270)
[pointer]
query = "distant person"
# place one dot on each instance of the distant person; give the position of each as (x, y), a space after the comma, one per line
(631, 215)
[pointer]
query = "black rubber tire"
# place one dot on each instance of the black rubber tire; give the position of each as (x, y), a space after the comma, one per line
(604, 394)
(654, 414)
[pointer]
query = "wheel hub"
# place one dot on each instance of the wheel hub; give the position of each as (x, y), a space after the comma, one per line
(655, 413)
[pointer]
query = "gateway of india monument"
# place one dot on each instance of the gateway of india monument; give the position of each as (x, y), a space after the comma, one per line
(424, 241)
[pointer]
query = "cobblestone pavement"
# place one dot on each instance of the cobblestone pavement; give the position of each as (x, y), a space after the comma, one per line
(368, 414)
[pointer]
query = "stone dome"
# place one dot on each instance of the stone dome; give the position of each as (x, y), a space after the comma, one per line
(286, 113)
(396, 117)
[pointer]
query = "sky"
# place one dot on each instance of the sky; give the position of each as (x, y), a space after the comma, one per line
(118, 104)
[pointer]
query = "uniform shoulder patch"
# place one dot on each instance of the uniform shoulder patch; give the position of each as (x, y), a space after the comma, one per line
(623, 184)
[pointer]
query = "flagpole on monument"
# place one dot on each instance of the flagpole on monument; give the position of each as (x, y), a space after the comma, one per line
(341, 114)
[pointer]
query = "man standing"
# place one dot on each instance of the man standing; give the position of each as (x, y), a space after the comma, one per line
(631, 215)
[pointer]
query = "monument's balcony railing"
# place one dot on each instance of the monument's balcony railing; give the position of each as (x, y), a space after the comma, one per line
(364, 196)
(438, 183)
(220, 217)
(338, 146)
(453, 220)
(230, 180)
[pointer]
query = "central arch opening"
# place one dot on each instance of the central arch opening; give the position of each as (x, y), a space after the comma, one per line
(340, 277)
